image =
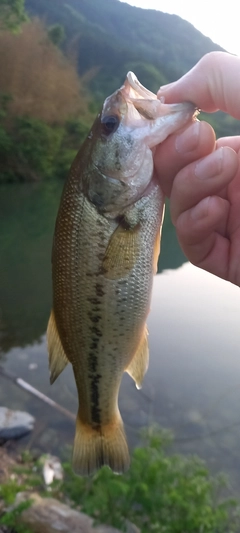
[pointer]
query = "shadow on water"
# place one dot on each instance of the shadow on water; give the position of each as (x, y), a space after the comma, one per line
(27, 217)
(171, 256)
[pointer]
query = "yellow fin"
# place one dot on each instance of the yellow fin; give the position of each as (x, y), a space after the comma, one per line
(139, 363)
(94, 448)
(156, 252)
(122, 252)
(57, 357)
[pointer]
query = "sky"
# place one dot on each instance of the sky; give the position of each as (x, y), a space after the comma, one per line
(218, 20)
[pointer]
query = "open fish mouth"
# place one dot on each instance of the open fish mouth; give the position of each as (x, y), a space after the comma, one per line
(148, 105)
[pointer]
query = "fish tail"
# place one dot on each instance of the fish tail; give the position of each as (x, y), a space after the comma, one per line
(105, 445)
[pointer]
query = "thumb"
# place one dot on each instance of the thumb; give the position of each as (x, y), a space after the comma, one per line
(212, 84)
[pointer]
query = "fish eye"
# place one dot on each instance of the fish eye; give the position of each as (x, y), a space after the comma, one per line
(110, 124)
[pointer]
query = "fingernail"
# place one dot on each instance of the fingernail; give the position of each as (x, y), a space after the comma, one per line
(201, 209)
(187, 141)
(210, 166)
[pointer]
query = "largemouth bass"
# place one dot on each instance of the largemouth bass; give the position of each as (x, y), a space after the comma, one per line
(105, 252)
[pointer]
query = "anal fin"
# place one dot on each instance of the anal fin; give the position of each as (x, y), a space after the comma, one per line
(57, 357)
(139, 363)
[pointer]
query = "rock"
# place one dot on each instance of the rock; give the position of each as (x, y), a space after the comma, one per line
(14, 424)
(129, 528)
(48, 515)
(51, 516)
(106, 529)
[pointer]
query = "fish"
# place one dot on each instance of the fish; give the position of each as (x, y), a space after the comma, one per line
(105, 253)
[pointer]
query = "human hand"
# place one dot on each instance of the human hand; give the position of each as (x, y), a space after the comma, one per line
(202, 176)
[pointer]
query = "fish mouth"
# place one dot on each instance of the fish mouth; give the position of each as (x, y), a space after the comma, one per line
(148, 105)
(137, 107)
(150, 118)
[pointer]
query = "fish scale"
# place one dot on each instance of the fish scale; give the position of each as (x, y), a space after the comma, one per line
(105, 252)
(120, 306)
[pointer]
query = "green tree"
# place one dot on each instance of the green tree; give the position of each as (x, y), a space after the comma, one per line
(56, 34)
(12, 14)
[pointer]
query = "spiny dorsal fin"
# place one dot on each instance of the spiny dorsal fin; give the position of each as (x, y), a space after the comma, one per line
(139, 363)
(57, 357)
(122, 252)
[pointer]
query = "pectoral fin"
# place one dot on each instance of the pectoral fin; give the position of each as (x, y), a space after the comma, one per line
(57, 357)
(122, 252)
(139, 364)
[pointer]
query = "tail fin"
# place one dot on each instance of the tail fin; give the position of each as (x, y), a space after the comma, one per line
(94, 448)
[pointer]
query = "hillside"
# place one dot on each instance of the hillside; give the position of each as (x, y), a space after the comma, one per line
(113, 37)
(67, 58)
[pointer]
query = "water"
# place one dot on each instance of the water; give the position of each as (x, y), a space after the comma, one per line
(193, 382)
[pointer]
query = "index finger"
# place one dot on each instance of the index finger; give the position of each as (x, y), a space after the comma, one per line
(212, 84)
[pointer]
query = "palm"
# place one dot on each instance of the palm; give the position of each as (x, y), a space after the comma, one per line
(206, 216)
(213, 243)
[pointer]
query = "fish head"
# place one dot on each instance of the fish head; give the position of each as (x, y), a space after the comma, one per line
(132, 122)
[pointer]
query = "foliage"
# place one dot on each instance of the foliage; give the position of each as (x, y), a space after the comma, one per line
(56, 34)
(23, 478)
(43, 83)
(9, 490)
(44, 112)
(10, 518)
(12, 14)
(45, 109)
(222, 123)
(113, 37)
(32, 150)
(112, 34)
(161, 492)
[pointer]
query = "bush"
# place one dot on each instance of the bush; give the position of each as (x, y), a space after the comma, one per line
(160, 493)
(44, 83)
(32, 150)
(37, 146)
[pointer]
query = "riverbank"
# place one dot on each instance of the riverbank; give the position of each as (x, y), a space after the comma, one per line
(161, 490)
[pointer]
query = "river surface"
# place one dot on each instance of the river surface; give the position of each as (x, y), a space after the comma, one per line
(193, 382)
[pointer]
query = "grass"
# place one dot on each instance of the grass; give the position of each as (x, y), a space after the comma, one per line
(162, 492)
